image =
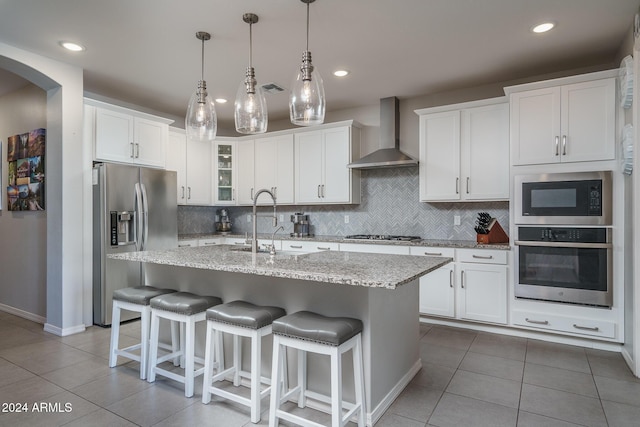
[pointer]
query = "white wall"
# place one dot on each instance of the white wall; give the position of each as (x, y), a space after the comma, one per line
(23, 254)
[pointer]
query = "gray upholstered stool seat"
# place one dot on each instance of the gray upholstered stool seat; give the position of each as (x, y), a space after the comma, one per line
(239, 319)
(309, 326)
(184, 303)
(332, 336)
(187, 309)
(245, 314)
(135, 299)
(139, 294)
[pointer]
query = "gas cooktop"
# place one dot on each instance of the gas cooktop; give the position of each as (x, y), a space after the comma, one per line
(381, 237)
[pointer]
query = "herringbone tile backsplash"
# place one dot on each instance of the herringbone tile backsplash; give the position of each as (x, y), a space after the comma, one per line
(389, 206)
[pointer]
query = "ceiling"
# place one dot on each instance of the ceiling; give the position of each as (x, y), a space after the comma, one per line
(145, 52)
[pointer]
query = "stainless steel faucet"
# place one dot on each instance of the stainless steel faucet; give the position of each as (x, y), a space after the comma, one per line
(254, 238)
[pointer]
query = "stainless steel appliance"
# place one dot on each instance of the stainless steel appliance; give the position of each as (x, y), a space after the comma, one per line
(300, 225)
(382, 237)
(134, 209)
(565, 264)
(223, 226)
(578, 198)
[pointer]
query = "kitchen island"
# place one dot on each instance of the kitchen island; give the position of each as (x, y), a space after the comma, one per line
(381, 290)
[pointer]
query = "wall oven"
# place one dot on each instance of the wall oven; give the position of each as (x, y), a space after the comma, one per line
(565, 264)
(579, 198)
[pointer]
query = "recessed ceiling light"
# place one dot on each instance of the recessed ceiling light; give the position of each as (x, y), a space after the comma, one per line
(543, 28)
(340, 73)
(74, 47)
(221, 100)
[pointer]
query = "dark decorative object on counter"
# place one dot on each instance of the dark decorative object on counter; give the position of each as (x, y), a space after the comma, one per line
(489, 230)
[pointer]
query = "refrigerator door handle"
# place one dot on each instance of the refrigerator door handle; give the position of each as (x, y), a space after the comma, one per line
(139, 214)
(145, 213)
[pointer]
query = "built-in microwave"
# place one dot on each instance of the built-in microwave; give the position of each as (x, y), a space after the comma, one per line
(577, 198)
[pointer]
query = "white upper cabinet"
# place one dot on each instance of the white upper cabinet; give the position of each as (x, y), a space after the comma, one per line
(564, 123)
(245, 164)
(321, 159)
(274, 167)
(464, 152)
(127, 136)
(224, 179)
(177, 161)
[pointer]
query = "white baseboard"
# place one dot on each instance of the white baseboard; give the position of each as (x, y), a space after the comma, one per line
(63, 332)
(21, 313)
(629, 359)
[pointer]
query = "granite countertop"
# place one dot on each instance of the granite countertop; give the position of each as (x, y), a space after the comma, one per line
(460, 244)
(345, 268)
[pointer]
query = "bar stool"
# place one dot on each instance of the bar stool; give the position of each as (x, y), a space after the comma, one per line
(133, 299)
(241, 319)
(333, 336)
(188, 309)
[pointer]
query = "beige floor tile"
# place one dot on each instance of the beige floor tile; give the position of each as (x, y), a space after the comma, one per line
(557, 355)
(560, 379)
(460, 411)
(527, 419)
(504, 346)
(459, 339)
(494, 366)
(486, 388)
(561, 405)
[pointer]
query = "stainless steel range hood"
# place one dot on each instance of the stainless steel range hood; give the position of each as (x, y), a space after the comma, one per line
(389, 154)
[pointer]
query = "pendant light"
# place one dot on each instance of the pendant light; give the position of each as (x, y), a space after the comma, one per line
(251, 105)
(201, 122)
(306, 100)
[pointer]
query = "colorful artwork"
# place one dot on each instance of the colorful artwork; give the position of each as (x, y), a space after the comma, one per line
(26, 171)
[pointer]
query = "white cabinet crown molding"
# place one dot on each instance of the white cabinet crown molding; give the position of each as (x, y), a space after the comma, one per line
(125, 110)
(580, 78)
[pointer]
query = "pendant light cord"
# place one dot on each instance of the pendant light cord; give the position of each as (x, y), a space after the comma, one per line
(202, 62)
(251, 44)
(307, 25)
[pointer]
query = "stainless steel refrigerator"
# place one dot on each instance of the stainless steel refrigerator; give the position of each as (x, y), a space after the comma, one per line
(134, 209)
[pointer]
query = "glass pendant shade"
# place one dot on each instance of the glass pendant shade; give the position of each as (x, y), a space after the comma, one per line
(250, 108)
(201, 122)
(306, 100)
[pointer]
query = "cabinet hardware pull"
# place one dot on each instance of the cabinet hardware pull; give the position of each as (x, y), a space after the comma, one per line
(467, 185)
(137, 150)
(564, 145)
(451, 278)
(233, 194)
(182, 192)
(184, 246)
(557, 142)
(433, 253)
(251, 193)
(189, 196)
(537, 322)
(462, 279)
(131, 155)
(482, 256)
(457, 185)
(586, 328)
(319, 196)
(320, 248)
(323, 192)
(238, 243)
(210, 243)
(295, 246)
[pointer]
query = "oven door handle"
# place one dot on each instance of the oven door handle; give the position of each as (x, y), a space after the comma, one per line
(565, 245)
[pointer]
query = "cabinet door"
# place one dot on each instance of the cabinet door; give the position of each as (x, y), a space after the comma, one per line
(437, 292)
(114, 136)
(224, 159)
(485, 153)
(284, 169)
(150, 140)
(177, 161)
(535, 126)
(245, 188)
(308, 167)
(483, 292)
(265, 155)
(336, 182)
(440, 156)
(199, 173)
(588, 121)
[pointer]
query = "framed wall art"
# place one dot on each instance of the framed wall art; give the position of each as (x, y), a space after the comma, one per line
(26, 171)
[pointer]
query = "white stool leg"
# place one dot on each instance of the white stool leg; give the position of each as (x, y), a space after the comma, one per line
(182, 343)
(175, 340)
(153, 349)
(189, 355)
(115, 334)
(302, 378)
(145, 315)
(336, 388)
(237, 360)
(219, 353)
(208, 365)
(256, 351)
(358, 377)
(276, 376)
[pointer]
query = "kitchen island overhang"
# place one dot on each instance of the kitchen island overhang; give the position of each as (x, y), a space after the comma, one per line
(382, 290)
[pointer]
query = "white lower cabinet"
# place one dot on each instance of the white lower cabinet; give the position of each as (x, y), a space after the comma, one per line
(565, 323)
(473, 288)
(211, 241)
(374, 249)
(309, 246)
(190, 243)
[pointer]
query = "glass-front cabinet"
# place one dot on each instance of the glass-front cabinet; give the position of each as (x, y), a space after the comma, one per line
(225, 173)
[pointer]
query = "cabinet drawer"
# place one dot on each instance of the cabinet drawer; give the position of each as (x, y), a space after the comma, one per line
(432, 251)
(307, 246)
(211, 242)
(374, 249)
(187, 243)
(481, 256)
(573, 325)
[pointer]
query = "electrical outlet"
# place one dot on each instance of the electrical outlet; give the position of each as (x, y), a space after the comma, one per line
(456, 220)
(281, 219)
(346, 219)
(248, 217)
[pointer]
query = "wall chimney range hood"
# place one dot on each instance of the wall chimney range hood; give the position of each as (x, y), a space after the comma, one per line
(388, 154)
